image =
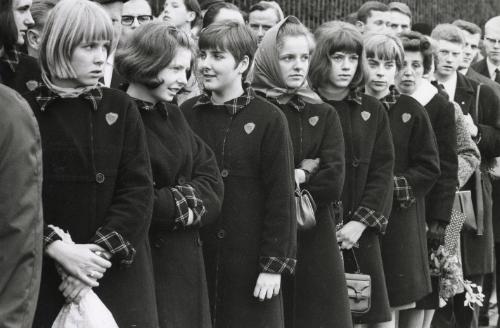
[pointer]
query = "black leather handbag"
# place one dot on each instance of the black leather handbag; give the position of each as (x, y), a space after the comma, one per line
(305, 208)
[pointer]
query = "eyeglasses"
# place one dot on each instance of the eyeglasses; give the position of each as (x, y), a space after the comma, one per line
(128, 20)
(492, 41)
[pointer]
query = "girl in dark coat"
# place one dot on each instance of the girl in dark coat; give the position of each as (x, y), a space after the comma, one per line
(97, 182)
(404, 247)
(187, 184)
(254, 240)
(317, 295)
(439, 200)
(367, 195)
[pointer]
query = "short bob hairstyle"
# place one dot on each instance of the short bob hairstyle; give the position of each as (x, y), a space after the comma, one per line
(448, 32)
(71, 23)
(237, 39)
(332, 37)
(150, 49)
(416, 42)
(8, 29)
(384, 47)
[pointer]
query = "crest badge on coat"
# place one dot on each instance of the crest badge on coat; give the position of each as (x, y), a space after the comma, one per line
(249, 127)
(406, 117)
(111, 118)
(31, 85)
(365, 115)
(313, 120)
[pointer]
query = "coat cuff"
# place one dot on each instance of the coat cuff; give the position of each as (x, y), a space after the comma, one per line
(279, 265)
(49, 236)
(114, 243)
(403, 192)
(187, 198)
(371, 218)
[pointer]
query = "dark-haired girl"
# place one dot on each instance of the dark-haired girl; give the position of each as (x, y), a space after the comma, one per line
(335, 73)
(187, 184)
(316, 295)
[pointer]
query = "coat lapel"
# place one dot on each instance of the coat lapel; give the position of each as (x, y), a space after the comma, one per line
(482, 68)
(464, 94)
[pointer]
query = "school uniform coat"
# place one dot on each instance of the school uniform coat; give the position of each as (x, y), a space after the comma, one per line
(20, 72)
(367, 193)
(98, 187)
(404, 246)
(488, 122)
(317, 295)
(21, 222)
(256, 231)
(179, 158)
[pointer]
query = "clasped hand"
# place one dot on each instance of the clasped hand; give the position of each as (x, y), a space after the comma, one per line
(267, 286)
(350, 233)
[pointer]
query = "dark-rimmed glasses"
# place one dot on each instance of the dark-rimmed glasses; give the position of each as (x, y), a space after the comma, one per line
(128, 20)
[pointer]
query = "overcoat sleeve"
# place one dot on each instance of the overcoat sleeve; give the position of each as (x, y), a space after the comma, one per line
(129, 215)
(440, 199)
(20, 211)
(423, 162)
(489, 122)
(279, 230)
(376, 202)
(326, 185)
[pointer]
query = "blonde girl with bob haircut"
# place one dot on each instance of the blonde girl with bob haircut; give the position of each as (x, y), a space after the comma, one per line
(97, 182)
(336, 73)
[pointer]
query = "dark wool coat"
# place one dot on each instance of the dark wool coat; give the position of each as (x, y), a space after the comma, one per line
(404, 246)
(369, 155)
(478, 252)
(179, 157)
(23, 76)
(21, 219)
(317, 295)
(97, 175)
(257, 229)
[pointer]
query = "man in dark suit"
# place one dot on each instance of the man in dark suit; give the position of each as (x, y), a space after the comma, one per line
(483, 123)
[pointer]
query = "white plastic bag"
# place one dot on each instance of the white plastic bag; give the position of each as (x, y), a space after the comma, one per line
(89, 313)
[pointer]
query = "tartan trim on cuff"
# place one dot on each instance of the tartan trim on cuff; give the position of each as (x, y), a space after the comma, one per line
(371, 218)
(271, 264)
(403, 192)
(186, 197)
(49, 236)
(114, 243)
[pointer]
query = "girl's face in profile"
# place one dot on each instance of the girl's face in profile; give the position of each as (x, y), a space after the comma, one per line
(87, 62)
(294, 60)
(174, 76)
(343, 67)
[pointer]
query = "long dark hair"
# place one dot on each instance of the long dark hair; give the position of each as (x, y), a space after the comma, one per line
(8, 29)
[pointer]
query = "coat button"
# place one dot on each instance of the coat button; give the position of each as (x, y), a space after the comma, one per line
(181, 180)
(355, 163)
(221, 234)
(99, 177)
(224, 173)
(199, 242)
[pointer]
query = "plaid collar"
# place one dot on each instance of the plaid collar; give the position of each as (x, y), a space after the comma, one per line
(233, 106)
(11, 57)
(392, 98)
(46, 96)
(149, 106)
(355, 95)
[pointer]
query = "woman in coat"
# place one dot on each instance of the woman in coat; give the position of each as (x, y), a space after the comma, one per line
(97, 182)
(253, 242)
(316, 296)
(367, 195)
(187, 183)
(404, 247)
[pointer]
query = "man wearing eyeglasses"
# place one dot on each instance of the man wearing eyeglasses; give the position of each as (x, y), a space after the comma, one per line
(490, 67)
(134, 14)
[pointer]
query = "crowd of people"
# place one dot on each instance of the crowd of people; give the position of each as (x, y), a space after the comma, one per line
(173, 140)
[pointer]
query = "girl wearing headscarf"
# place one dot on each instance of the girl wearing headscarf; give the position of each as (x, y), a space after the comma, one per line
(97, 182)
(336, 72)
(317, 295)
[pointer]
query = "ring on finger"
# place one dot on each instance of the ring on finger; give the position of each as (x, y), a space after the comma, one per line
(92, 274)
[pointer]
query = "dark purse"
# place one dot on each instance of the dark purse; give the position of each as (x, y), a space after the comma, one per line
(305, 209)
(359, 290)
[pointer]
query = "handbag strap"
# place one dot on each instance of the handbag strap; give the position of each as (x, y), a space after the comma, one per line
(478, 180)
(358, 269)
